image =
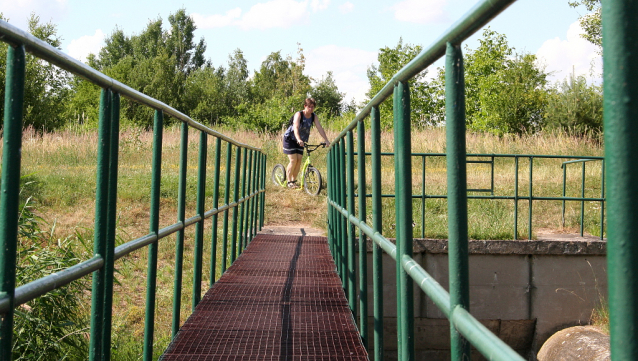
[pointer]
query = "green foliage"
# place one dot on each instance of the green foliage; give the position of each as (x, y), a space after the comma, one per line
(49, 327)
(46, 86)
(575, 107)
(329, 99)
(591, 23)
(391, 60)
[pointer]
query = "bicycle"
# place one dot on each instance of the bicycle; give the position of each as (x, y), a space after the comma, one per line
(311, 177)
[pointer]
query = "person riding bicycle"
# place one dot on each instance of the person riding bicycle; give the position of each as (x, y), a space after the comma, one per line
(297, 135)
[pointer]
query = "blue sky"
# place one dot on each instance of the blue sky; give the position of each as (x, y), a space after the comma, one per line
(342, 36)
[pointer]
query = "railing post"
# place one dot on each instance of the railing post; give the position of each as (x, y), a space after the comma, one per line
(531, 189)
(330, 222)
(215, 225)
(457, 194)
(403, 187)
(363, 244)
(250, 175)
(264, 159)
(101, 224)
(256, 198)
(151, 277)
(620, 111)
(179, 242)
(352, 292)
(516, 198)
(229, 157)
(11, 158)
(199, 230)
(234, 246)
(344, 221)
(377, 224)
(109, 255)
(242, 209)
(602, 203)
(582, 203)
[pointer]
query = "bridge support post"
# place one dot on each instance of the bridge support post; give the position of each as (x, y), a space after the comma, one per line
(352, 296)
(363, 246)
(457, 193)
(11, 158)
(179, 241)
(215, 225)
(620, 113)
(377, 223)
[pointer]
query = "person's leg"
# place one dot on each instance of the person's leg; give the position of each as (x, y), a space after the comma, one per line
(293, 167)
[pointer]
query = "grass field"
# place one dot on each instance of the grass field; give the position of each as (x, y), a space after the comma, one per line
(60, 168)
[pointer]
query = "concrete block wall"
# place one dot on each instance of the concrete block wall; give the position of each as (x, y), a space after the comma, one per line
(522, 290)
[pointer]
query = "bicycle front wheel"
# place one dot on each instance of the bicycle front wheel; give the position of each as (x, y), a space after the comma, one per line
(278, 175)
(312, 181)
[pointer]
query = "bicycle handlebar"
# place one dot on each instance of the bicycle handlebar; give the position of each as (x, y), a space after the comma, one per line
(313, 147)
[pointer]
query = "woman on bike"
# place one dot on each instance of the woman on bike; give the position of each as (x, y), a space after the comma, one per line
(297, 135)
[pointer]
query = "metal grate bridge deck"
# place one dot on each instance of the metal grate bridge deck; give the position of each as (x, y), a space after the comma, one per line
(280, 300)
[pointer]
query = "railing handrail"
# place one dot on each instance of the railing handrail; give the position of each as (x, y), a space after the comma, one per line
(45, 51)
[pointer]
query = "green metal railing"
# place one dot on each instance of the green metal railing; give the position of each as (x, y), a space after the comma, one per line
(620, 34)
(247, 205)
(516, 197)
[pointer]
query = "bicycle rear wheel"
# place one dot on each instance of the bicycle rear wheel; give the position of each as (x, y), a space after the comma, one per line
(312, 181)
(278, 175)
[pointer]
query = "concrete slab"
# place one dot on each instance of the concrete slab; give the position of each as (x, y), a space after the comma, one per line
(292, 230)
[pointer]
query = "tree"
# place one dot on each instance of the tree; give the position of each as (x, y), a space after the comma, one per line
(326, 94)
(46, 86)
(391, 60)
(591, 23)
(575, 107)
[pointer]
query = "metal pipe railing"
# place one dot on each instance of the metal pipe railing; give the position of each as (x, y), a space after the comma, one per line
(105, 252)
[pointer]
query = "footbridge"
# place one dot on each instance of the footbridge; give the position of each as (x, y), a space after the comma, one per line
(300, 297)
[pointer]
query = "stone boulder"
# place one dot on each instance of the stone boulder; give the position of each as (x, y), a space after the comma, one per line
(576, 343)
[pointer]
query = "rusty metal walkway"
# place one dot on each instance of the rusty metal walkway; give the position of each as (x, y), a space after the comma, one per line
(280, 300)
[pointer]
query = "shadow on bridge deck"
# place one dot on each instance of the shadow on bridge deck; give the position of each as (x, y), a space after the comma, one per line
(280, 300)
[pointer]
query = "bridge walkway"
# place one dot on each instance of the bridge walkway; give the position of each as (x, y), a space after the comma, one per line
(280, 300)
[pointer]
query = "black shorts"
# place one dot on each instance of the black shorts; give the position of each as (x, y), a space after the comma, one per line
(292, 147)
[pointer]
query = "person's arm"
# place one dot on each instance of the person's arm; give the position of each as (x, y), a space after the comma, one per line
(295, 128)
(321, 131)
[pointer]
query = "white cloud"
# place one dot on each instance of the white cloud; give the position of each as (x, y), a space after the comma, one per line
(562, 57)
(18, 11)
(346, 7)
(349, 67)
(319, 5)
(82, 47)
(420, 11)
(216, 21)
(274, 14)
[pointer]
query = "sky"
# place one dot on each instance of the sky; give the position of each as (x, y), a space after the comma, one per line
(342, 36)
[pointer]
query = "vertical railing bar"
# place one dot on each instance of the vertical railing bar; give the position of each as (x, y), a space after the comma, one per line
(564, 189)
(531, 197)
(620, 108)
(234, 246)
(263, 187)
(242, 208)
(151, 275)
(582, 203)
(109, 257)
(215, 220)
(352, 293)
(515, 197)
(10, 188)
(396, 99)
(229, 157)
(249, 177)
(101, 222)
(255, 218)
(344, 222)
(199, 230)
(251, 218)
(377, 222)
(363, 243)
(404, 236)
(602, 195)
(492, 184)
(457, 194)
(179, 242)
(423, 197)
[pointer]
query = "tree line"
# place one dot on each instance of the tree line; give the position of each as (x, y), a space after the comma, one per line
(507, 92)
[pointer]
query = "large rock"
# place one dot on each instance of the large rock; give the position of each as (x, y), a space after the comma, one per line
(576, 343)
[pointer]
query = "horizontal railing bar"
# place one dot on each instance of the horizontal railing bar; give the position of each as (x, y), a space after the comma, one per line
(492, 347)
(428, 284)
(39, 287)
(141, 242)
(469, 196)
(496, 155)
(14, 35)
(581, 160)
(465, 27)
